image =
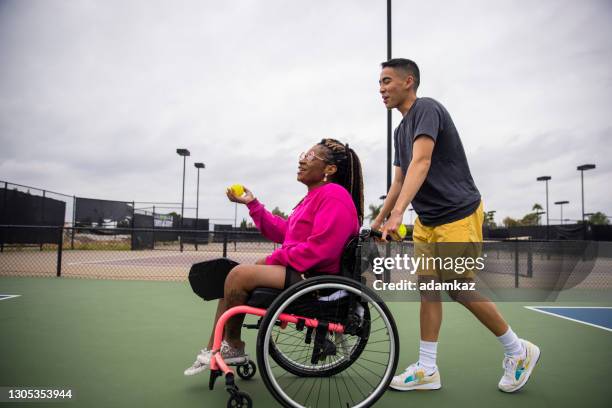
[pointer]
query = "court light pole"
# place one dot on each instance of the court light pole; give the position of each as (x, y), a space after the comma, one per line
(582, 168)
(560, 204)
(198, 166)
(545, 179)
(184, 153)
(389, 116)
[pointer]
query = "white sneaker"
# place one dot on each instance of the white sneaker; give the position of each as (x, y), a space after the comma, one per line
(197, 366)
(230, 355)
(518, 369)
(204, 356)
(415, 377)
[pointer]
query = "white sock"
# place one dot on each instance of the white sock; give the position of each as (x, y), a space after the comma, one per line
(512, 344)
(427, 356)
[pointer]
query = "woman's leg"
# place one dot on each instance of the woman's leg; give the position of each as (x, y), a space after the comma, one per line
(239, 282)
(220, 310)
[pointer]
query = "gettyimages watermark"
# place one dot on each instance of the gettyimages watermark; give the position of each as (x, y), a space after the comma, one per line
(437, 266)
(412, 264)
(497, 270)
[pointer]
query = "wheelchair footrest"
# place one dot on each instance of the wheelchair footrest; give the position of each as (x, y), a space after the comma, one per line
(214, 374)
(253, 326)
(323, 347)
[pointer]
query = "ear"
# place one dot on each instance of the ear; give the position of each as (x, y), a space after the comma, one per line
(330, 169)
(408, 81)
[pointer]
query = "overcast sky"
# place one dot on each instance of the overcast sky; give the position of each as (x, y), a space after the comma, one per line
(95, 96)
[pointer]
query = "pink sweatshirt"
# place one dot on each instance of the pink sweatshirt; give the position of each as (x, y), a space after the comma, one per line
(315, 233)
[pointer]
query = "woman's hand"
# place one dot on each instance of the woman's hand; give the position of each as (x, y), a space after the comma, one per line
(246, 198)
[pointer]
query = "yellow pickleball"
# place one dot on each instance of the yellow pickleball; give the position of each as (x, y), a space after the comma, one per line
(402, 231)
(400, 234)
(237, 189)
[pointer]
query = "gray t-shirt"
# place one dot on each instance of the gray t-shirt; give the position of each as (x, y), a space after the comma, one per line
(448, 193)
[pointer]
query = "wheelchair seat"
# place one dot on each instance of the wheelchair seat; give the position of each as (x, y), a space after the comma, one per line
(263, 297)
(349, 266)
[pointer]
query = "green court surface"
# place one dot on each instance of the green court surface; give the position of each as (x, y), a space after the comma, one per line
(126, 344)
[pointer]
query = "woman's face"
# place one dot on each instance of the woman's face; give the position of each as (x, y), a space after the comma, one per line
(313, 165)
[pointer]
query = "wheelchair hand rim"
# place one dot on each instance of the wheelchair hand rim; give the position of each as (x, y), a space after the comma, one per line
(392, 361)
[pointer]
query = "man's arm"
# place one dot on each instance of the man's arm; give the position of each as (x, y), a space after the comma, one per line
(422, 150)
(392, 194)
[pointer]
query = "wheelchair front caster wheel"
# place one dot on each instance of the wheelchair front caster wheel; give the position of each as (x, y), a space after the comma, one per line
(239, 400)
(247, 371)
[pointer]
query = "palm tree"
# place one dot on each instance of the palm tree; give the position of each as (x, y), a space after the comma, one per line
(537, 208)
(374, 211)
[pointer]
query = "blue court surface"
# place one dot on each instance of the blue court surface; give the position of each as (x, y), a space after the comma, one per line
(600, 317)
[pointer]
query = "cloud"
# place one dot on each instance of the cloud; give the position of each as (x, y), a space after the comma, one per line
(96, 96)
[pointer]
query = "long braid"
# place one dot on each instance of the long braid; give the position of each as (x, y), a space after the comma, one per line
(349, 174)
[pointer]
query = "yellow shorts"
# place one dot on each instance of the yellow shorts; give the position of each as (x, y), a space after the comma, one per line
(447, 246)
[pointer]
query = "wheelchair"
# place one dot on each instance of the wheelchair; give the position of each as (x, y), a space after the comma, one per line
(326, 341)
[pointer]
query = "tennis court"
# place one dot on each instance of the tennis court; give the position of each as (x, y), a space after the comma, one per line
(126, 343)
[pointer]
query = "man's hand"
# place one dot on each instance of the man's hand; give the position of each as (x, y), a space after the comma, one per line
(376, 224)
(392, 224)
(246, 198)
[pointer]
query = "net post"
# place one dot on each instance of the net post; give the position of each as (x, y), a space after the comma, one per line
(153, 235)
(73, 222)
(132, 226)
(42, 216)
(516, 263)
(3, 218)
(60, 244)
(530, 260)
(225, 244)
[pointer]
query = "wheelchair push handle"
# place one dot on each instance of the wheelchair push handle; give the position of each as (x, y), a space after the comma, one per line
(399, 236)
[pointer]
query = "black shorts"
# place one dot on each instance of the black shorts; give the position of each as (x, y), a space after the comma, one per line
(292, 276)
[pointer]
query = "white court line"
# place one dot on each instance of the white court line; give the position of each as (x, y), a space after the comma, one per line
(535, 308)
(571, 307)
(116, 259)
(5, 297)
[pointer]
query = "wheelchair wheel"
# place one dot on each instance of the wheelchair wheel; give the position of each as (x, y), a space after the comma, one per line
(358, 364)
(289, 359)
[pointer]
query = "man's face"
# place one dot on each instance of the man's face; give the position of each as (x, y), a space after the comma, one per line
(394, 87)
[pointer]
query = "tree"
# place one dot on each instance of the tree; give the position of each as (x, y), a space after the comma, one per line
(489, 219)
(374, 211)
(243, 224)
(277, 211)
(599, 218)
(530, 219)
(510, 222)
(537, 208)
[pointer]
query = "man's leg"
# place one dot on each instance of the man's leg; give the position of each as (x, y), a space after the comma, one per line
(430, 313)
(430, 323)
(481, 307)
(424, 375)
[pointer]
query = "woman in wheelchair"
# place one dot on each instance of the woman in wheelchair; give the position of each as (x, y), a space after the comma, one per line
(312, 238)
(324, 339)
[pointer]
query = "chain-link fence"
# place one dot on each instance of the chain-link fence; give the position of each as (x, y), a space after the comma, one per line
(117, 253)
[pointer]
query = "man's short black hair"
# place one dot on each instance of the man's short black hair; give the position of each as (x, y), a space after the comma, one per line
(406, 65)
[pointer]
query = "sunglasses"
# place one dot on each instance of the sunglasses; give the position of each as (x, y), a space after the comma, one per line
(310, 156)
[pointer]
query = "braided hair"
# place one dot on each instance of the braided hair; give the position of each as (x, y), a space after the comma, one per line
(349, 174)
